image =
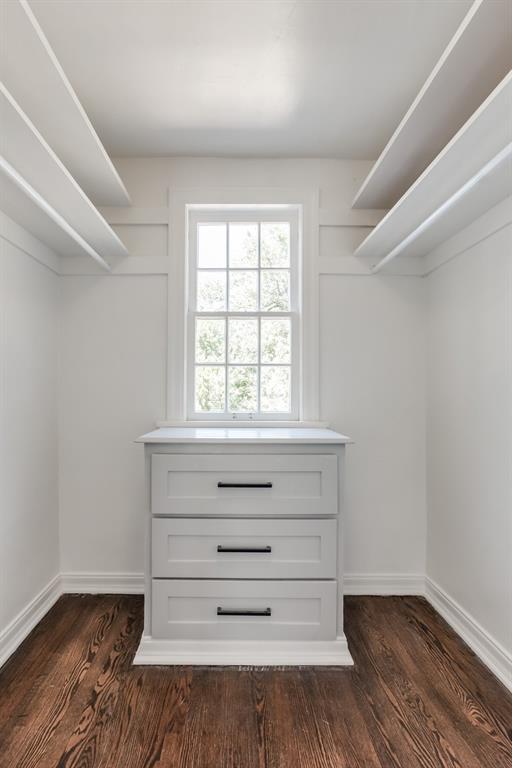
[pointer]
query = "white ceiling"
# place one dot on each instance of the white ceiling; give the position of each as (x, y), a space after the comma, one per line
(247, 77)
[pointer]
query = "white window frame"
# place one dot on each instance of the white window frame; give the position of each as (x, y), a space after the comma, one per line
(181, 201)
(278, 213)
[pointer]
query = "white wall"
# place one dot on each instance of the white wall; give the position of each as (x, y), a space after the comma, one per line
(112, 389)
(113, 378)
(372, 353)
(29, 534)
(469, 552)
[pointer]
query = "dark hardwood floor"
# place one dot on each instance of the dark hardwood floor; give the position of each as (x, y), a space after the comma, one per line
(416, 698)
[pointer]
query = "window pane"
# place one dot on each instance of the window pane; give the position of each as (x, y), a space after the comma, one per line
(243, 291)
(242, 395)
(243, 340)
(243, 245)
(275, 244)
(211, 245)
(275, 290)
(275, 340)
(275, 389)
(209, 388)
(210, 340)
(211, 291)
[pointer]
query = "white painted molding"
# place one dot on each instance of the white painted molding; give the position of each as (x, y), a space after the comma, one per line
(383, 584)
(76, 266)
(136, 216)
(181, 199)
(480, 229)
(490, 652)
(12, 233)
(130, 265)
(412, 266)
(347, 217)
(93, 582)
(18, 629)
(244, 652)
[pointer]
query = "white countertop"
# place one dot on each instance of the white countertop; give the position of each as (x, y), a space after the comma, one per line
(246, 435)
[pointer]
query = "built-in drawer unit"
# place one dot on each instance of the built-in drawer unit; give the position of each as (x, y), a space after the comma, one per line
(242, 548)
(243, 610)
(249, 485)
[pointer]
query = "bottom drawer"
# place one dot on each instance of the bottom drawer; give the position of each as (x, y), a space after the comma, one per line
(243, 610)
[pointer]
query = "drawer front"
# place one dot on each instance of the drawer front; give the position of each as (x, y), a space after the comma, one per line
(244, 548)
(246, 485)
(243, 610)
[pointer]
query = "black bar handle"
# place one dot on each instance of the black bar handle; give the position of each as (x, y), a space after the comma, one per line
(261, 550)
(243, 485)
(227, 612)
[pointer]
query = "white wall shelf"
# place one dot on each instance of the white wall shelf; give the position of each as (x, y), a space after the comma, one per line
(483, 191)
(467, 178)
(489, 223)
(25, 206)
(476, 59)
(36, 170)
(29, 68)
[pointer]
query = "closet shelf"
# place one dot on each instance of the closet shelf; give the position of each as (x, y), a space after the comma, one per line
(24, 205)
(32, 73)
(469, 176)
(31, 165)
(476, 59)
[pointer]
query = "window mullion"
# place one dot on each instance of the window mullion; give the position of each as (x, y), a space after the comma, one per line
(241, 313)
(227, 322)
(258, 377)
(258, 368)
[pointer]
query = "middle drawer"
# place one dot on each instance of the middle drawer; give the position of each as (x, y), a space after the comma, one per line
(243, 548)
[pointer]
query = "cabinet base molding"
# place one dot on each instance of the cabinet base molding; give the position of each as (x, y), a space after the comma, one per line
(331, 653)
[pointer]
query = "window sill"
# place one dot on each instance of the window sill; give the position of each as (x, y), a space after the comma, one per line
(250, 423)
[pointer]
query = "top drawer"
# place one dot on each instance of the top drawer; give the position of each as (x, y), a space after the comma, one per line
(252, 485)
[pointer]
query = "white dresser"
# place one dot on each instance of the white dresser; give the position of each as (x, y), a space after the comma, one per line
(244, 547)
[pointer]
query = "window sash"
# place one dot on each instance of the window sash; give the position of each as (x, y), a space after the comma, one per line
(256, 214)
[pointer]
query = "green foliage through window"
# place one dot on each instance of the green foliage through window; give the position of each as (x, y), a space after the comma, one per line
(243, 364)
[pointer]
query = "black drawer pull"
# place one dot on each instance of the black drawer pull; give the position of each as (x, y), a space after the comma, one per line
(227, 612)
(243, 485)
(261, 550)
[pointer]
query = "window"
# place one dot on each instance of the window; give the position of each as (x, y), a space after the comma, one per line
(243, 324)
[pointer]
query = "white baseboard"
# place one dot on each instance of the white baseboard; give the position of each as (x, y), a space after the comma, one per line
(271, 653)
(490, 652)
(18, 629)
(383, 584)
(96, 583)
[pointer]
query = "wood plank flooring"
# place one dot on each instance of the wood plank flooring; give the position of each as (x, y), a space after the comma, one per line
(416, 698)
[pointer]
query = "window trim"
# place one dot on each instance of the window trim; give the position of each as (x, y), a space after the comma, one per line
(180, 200)
(207, 214)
